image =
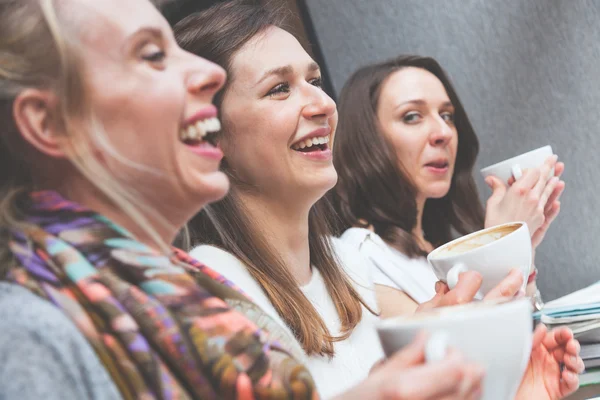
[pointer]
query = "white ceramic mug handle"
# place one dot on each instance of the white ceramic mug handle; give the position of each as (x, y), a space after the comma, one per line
(452, 275)
(517, 173)
(436, 347)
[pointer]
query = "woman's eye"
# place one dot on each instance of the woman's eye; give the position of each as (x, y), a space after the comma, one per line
(448, 116)
(411, 117)
(156, 56)
(278, 89)
(318, 82)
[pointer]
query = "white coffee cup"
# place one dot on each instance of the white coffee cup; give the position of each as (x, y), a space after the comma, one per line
(492, 252)
(497, 336)
(513, 167)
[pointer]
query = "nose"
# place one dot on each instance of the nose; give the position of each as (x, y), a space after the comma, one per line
(440, 133)
(319, 105)
(205, 78)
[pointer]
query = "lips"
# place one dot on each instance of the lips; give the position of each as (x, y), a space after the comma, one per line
(438, 164)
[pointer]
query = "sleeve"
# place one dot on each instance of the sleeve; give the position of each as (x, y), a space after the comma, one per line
(44, 356)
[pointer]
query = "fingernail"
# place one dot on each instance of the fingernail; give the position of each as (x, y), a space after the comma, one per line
(574, 359)
(438, 287)
(569, 375)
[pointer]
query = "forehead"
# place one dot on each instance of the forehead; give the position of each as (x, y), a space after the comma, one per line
(272, 48)
(105, 24)
(413, 83)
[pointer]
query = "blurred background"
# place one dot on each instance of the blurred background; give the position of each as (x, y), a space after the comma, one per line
(527, 72)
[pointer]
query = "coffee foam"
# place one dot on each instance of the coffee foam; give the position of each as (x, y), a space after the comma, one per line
(478, 240)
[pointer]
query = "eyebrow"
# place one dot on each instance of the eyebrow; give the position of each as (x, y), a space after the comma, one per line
(155, 32)
(286, 70)
(421, 102)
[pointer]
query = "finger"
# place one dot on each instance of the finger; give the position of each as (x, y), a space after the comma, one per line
(472, 380)
(528, 181)
(573, 347)
(559, 354)
(508, 287)
(573, 363)
(539, 234)
(441, 287)
(433, 303)
(465, 290)
(538, 335)
(559, 168)
(547, 192)
(558, 337)
(544, 173)
(569, 383)
(558, 191)
(410, 355)
(497, 186)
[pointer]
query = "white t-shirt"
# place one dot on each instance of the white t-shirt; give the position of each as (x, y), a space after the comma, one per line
(354, 356)
(413, 276)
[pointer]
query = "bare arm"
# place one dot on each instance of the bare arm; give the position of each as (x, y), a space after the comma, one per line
(394, 302)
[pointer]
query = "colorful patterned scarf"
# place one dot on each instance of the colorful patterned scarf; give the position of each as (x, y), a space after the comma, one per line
(159, 324)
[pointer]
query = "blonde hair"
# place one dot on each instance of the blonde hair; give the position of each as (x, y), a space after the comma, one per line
(36, 52)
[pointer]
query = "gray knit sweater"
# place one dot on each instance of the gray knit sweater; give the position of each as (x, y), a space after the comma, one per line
(43, 355)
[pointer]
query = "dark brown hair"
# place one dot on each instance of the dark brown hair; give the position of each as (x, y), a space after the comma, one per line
(217, 34)
(373, 189)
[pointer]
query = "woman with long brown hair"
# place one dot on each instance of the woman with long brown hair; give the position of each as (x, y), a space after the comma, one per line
(268, 234)
(405, 155)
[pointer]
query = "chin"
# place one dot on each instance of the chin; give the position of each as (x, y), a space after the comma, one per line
(212, 188)
(438, 191)
(320, 184)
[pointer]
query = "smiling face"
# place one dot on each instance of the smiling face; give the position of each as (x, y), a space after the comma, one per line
(279, 124)
(154, 103)
(417, 117)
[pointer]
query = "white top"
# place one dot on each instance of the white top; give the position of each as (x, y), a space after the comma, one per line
(354, 356)
(413, 276)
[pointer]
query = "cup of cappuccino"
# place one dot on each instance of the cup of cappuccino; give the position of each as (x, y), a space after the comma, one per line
(496, 335)
(491, 252)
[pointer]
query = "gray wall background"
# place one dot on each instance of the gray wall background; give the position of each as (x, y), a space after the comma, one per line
(527, 72)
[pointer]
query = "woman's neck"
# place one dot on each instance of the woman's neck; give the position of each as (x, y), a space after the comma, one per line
(418, 229)
(82, 192)
(285, 230)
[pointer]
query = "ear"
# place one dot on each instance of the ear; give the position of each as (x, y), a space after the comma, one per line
(35, 116)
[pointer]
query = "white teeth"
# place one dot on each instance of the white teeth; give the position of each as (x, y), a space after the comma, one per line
(310, 142)
(192, 132)
(200, 129)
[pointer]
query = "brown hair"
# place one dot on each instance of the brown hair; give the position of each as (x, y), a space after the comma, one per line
(373, 188)
(217, 34)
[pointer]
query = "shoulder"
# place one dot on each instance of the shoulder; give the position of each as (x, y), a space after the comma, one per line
(39, 315)
(233, 269)
(355, 237)
(43, 354)
(221, 261)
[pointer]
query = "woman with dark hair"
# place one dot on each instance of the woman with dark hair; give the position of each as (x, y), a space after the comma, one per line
(405, 155)
(269, 234)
